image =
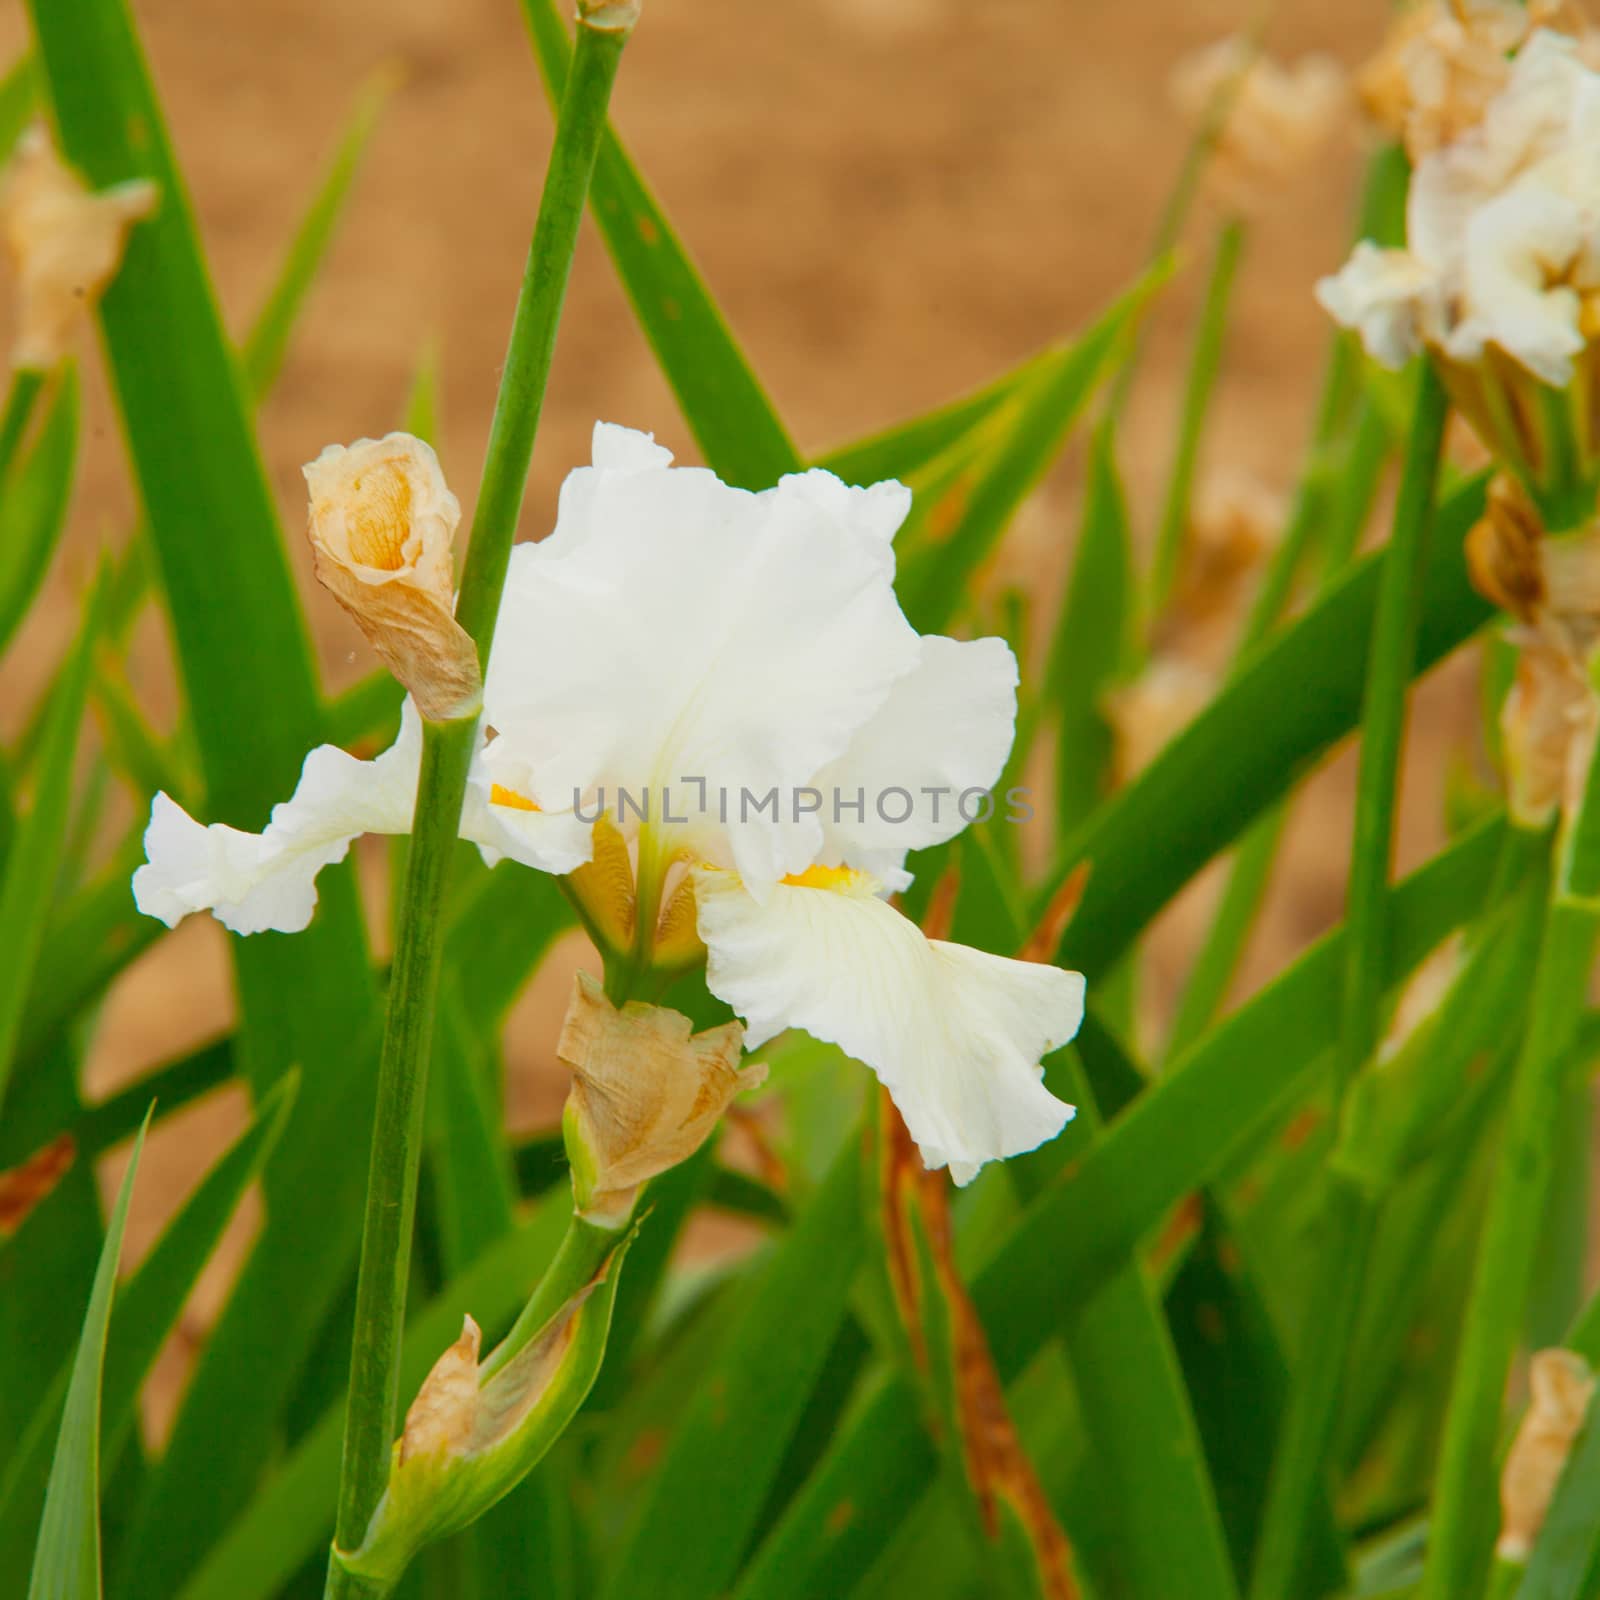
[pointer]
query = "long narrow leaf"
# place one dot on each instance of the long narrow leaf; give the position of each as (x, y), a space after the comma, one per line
(722, 402)
(145, 1314)
(66, 1563)
(33, 510)
(1297, 695)
(35, 857)
(261, 356)
(934, 580)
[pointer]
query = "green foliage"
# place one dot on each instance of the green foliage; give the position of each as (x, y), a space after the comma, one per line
(66, 1564)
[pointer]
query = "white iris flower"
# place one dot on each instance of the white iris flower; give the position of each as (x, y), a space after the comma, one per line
(673, 656)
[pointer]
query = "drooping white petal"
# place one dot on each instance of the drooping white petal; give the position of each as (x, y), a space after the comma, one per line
(923, 766)
(256, 882)
(954, 1034)
(676, 629)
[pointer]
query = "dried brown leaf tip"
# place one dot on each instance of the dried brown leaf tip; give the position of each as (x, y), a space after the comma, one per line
(646, 1092)
(23, 1189)
(1561, 1386)
(65, 242)
(919, 1248)
(382, 523)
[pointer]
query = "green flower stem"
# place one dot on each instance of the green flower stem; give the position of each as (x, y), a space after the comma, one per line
(26, 383)
(1202, 379)
(1350, 1221)
(1464, 1519)
(446, 757)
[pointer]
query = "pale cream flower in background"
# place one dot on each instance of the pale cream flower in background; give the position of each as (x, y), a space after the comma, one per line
(1274, 116)
(692, 643)
(1502, 232)
(65, 243)
(382, 524)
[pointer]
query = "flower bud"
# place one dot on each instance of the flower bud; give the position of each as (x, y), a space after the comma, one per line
(475, 1431)
(1560, 1387)
(64, 241)
(646, 1092)
(381, 524)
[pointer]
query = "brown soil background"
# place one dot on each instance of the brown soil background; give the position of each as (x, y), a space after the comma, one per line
(892, 199)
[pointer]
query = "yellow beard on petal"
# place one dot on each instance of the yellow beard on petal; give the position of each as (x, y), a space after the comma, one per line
(818, 877)
(499, 795)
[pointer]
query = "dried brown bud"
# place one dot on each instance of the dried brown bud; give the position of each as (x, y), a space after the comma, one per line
(64, 241)
(381, 525)
(1560, 1387)
(1504, 551)
(646, 1091)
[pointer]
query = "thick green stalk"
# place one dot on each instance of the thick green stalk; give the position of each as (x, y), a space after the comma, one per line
(1203, 365)
(447, 753)
(1464, 1517)
(25, 386)
(1348, 1227)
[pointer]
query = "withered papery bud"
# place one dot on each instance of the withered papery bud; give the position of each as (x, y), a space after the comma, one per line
(1561, 1386)
(1547, 728)
(381, 525)
(646, 1092)
(65, 243)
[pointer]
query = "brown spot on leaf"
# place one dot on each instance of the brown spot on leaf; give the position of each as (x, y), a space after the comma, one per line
(24, 1188)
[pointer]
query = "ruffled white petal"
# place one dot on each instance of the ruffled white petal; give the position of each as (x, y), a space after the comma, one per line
(1388, 297)
(923, 767)
(260, 882)
(955, 1035)
(674, 628)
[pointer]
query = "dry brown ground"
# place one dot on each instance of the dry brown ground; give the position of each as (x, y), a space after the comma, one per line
(892, 198)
